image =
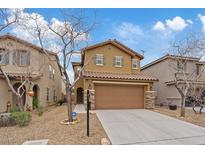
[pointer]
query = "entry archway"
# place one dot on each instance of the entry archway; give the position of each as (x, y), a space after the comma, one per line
(80, 96)
(15, 101)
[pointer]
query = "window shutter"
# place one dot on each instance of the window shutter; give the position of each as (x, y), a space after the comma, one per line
(6, 57)
(138, 63)
(14, 59)
(103, 60)
(28, 58)
(94, 59)
(113, 61)
(122, 61)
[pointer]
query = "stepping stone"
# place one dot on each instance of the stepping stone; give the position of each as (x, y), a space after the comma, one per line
(36, 142)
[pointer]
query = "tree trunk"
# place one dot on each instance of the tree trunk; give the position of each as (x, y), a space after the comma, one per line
(68, 100)
(182, 114)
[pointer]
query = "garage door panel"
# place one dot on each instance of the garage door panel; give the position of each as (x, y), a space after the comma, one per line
(114, 96)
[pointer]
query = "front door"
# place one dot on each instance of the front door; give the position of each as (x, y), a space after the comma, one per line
(80, 96)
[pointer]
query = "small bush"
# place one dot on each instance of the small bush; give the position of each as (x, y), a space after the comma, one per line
(60, 102)
(15, 109)
(6, 120)
(21, 118)
(40, 111)
(35, 103)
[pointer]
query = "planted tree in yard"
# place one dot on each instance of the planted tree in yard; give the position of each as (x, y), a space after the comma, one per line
(9, 17)
(67, 35)
(186, 80)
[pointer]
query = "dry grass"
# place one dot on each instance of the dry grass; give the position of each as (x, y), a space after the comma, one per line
(48, 127)
(198, 119)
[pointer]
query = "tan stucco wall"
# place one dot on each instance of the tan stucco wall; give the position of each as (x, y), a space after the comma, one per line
(4, 95)
(165, 71)
(39, 64)
(109, 51)
(161, 71)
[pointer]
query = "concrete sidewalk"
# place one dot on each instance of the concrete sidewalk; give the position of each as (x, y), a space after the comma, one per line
(146, 127)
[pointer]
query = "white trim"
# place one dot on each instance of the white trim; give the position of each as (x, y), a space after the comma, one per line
(128, 83)
(118, 60)
(99, 57)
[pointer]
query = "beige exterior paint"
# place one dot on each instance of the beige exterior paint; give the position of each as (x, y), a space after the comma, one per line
(164, 71)
(109, 51)
(39, 65)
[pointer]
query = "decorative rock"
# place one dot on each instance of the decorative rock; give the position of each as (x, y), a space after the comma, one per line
(104, 141)
(36, 142)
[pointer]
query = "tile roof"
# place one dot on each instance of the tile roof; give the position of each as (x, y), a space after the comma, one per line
(21, 75)
(108, 75)
(167, 56)
(182, 81)
(117, 44)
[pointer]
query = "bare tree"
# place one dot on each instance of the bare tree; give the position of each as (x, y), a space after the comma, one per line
(74, 30)
(192, 47)
(69, 34)
(9, 17)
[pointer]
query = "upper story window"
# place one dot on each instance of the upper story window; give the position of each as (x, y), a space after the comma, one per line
(181, 65)
(135, 63)
(198, 69)
(4, 56)
(118, 61)
(47, 94)
(21, 57)
(99, 59)
(51, 72)
(54, 96)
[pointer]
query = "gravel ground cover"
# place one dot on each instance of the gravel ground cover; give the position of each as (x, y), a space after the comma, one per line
(197, 119)
(48, 127)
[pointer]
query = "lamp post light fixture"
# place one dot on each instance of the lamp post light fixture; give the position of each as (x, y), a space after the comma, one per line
(88, 107)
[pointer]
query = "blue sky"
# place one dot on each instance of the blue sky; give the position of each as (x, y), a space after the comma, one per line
(150, 30)
(155, 43)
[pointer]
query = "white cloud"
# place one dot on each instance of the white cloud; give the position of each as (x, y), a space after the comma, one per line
(159, 26)
(189, 21)
(126, 29)
(202, 19)
(128, 32)
(176, 24)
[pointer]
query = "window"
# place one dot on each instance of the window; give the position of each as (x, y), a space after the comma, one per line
(198, 69)
(78, 71)
(99, 59)
(54, 96)
(135, 63)
(51, 72)
(181, 65)
(21, 57)
(4, 57)
(47, 94)
(118, 61)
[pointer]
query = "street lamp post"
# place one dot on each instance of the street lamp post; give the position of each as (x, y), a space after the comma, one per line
(88, 108)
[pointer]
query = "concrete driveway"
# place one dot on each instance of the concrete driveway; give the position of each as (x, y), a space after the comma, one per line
(146, 127)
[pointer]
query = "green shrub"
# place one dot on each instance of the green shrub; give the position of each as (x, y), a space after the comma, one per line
(21, 118)
(6, 120)
(15, 109)
(35, 103)
(60, 102)
(40, 111)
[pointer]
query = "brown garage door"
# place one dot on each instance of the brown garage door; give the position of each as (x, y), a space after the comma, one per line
(114, 96)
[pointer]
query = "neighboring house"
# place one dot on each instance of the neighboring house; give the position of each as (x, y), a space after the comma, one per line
(20, 59)
(112, 71)
(164, 69)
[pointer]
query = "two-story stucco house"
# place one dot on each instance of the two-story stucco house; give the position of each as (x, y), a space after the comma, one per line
(113, 72)
(165, 68)
(20, 59)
